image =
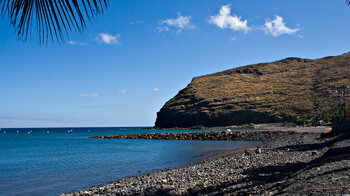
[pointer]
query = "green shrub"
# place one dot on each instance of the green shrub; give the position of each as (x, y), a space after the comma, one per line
(329, 115)
(300, 121)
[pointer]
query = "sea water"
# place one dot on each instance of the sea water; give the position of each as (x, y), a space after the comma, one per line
(51, 161)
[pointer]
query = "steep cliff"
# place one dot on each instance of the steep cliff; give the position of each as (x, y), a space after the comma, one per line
(261, 93)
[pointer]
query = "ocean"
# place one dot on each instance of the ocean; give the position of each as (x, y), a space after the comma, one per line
(51, 161)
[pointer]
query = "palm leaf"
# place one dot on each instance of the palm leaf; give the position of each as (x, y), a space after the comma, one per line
(54, 19)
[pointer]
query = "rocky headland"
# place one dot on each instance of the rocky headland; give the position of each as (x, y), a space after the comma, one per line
(289, 163)
(280, 91)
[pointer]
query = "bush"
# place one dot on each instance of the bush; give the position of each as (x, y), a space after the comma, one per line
(300, 121)
(329, 115)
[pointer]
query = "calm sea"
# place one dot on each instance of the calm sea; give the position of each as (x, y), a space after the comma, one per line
(52, 161)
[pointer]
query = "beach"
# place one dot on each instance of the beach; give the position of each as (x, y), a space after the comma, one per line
(289, 162)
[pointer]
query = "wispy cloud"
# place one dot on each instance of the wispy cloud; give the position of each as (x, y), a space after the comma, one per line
(76, 43)
(122, 91)
(180, 23)
(277, 27)
(89, 95)
(155, 89)
(91, 106)
(108, 38)
(233, 38)
(225, 20)
(15, 122)
(137, 22)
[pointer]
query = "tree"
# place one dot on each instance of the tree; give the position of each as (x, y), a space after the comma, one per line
(54, 19)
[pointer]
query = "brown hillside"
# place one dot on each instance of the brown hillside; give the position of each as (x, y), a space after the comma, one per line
(266, 92)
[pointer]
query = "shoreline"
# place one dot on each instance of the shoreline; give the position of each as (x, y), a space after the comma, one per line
(290, 162)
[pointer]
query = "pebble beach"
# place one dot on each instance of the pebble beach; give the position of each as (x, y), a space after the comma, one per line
(286, 163)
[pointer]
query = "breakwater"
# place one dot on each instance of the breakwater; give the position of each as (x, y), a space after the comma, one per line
(252, 135)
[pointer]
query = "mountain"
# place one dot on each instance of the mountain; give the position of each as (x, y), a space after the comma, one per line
(261, 93)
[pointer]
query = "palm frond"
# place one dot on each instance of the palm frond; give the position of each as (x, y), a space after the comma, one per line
(54, 19)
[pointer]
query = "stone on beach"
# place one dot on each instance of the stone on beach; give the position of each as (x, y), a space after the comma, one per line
(289, 164)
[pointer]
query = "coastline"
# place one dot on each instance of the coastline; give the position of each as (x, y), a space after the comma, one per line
(290, 163)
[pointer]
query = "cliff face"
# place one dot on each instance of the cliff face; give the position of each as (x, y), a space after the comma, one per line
(262, 93)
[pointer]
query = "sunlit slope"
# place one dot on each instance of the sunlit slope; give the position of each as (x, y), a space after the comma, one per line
(266, 92)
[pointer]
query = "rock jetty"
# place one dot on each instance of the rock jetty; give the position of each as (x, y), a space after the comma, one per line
(252, 135)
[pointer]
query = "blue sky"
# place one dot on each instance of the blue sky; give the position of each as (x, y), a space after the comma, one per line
(129, 61)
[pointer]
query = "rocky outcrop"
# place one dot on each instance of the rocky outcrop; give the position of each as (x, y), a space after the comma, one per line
(262, 93)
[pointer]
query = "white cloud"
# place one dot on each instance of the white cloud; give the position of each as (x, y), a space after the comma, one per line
(225, 20)
(180, 23)
(76, 43)
(108, 38)
(89, 95)
(155, 89)
(122, 91)
(233, 38)
(277, 27)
